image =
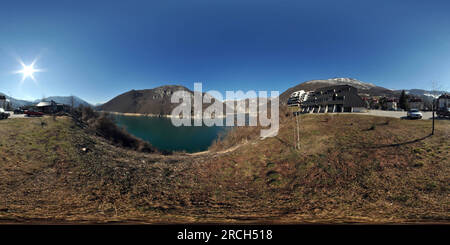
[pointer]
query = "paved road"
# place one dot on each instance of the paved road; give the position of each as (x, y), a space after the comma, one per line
(396, 114)
(12, 115)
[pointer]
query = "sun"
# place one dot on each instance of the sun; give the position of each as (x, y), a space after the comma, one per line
(28, 70)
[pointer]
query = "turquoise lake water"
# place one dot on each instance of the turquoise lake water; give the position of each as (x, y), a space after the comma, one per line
(162, 134)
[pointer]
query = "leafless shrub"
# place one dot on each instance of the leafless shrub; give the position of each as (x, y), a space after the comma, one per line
(103, 125)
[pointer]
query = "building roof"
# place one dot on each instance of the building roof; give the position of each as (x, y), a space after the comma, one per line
(43, 104)
(340, 94)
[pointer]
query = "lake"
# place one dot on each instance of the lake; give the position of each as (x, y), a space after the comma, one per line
(160, 132)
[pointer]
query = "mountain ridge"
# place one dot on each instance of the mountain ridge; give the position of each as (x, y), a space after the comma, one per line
(155, 101)
(16, 103)
(67, 100)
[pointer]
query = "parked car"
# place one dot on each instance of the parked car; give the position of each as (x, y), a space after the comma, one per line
(414, 114)
(31, 113)
(18, 111)
(3, 114)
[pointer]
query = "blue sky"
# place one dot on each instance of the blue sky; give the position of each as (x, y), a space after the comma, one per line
(99, 50)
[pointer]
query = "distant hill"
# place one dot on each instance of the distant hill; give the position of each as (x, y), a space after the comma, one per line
(67, 100)
(426, 95)
(362, 87)
(15, 103)
(422, 93)
(148, 101)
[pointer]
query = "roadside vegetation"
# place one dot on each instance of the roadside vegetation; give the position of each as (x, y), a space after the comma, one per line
(349, 168)
(103, 125)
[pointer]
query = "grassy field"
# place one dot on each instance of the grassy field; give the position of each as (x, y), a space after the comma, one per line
(349, 168)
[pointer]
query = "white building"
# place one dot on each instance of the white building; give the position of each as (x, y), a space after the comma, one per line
(391, 105)
(298, 97)
(416, 103)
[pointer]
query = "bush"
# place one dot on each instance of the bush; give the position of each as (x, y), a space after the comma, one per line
(103, 125)
(106, 127)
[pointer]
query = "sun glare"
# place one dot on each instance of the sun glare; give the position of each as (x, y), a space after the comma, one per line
(28, 71)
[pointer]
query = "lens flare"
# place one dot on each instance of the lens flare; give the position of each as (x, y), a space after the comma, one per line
(28, 70)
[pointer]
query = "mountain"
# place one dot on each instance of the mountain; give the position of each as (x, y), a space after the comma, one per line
(367, 88)
(67, 100)
(426, 95)
(147, 101)
(15, 103)
(422, 93)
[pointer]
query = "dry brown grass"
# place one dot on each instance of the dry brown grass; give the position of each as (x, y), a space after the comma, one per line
(103, 125)
(343, 172)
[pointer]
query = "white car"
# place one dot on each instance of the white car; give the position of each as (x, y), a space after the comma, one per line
(3, 114)
(414, 114)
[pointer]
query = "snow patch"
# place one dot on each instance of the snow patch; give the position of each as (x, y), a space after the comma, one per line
(345, 81)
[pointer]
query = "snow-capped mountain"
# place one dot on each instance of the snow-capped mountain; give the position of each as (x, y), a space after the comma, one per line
(344, 81)
(422, 92)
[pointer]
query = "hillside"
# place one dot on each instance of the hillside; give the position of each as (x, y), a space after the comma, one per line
(16, 102)
(350, 168)
(148, 101)
(312, 85)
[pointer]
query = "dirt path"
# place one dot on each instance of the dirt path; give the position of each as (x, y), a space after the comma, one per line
(219, 152)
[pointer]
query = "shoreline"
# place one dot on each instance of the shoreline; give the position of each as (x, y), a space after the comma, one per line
(158, 115)
(136, 114)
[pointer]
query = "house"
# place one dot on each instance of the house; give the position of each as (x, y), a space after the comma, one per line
(373, 102)
(46, 107)
(51, 107)
(340, 98)
(391, 104)
(3, 102)
(297, 98)
(443, 101)
(416, 103)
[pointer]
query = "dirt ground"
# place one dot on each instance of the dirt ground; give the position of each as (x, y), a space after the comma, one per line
(349, 169)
